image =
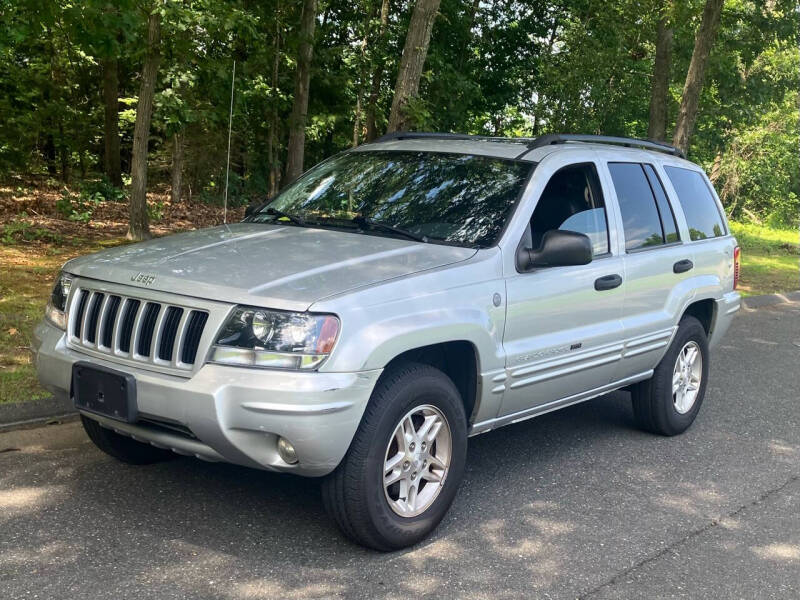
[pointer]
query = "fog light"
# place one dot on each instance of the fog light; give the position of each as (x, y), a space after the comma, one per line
(286, 450)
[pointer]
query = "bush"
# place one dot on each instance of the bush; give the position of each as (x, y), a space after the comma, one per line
(155, 210)
(760, 173)
(104, 189)
(20, 231)
(78, 208)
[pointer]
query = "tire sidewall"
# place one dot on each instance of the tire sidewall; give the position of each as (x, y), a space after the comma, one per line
(690, 329)
(402, 397)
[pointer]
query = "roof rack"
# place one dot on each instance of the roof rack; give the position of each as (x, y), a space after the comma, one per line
(418, 135)
(563, 138)
(538, 142)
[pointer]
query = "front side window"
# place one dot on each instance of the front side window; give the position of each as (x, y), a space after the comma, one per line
(448, 198)
(640, 219)
(699, 206)
(572, 201)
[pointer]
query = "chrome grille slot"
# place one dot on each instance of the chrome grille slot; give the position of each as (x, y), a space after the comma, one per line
(135, 329)
(129, 318)
(79, 313)
(168, 332)
(194, 330)
(147, 328)
(109, 319)
(90, 332)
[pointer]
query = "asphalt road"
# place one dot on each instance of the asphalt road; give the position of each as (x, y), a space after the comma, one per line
(574, 504)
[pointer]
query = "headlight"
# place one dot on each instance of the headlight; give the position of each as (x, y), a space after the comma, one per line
(257, 337)
(56, 311)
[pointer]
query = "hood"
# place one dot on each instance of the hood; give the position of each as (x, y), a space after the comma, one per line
(274, 266)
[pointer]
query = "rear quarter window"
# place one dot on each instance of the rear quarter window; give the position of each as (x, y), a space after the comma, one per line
(699, 207)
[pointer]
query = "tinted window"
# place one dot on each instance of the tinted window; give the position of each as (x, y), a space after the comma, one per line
(637, 205)
(699, 206)
(572, 201)
(664, 208)
(455, 198)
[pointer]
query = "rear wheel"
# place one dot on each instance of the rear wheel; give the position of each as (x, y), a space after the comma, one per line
(668, 403)
(121, 447)
(405, 462)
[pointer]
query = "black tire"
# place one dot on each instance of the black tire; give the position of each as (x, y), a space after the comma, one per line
(354, 494)
(653, 404)
(121, 447)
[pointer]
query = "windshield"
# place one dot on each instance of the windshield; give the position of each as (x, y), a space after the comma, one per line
(451, 198)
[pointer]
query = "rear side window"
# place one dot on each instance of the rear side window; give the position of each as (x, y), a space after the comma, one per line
(640, 217)
(699, 207)
(664, 208)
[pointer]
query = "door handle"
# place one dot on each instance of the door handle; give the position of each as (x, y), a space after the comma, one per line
(609, 282)
(682, 266)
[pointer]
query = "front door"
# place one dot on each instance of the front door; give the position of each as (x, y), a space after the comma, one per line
(563, 324)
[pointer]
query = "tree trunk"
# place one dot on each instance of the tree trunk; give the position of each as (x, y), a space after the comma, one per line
(177, 167)
(411, 64)
(272, 140)
(111, 158)
(139, 227)
(377, 75)
(362, 76)
(50, 152)
(657, 127)
(64, 154)
(704, 40)
(297, 120)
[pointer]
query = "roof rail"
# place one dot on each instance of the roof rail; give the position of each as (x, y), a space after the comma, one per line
(563, 138)
(538, 142)
(417, 135)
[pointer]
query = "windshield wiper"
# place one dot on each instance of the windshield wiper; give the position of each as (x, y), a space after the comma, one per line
(362, 222)
(279, 214)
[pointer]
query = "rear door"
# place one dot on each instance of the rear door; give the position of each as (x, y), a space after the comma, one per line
(563, 328)
(657, 265)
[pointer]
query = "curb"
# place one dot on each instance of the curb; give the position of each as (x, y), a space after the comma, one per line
(37, 413)
(47, 408)
(39, 422)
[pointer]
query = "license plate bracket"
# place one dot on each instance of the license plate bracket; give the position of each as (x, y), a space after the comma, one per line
(104, 391)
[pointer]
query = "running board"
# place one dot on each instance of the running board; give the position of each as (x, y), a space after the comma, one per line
(529, 413)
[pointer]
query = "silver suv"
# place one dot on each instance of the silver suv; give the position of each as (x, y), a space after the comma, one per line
(395, 300)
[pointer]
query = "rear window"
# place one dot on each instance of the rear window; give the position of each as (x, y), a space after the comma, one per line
(699, 207)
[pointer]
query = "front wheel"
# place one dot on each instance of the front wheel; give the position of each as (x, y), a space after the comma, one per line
(405, 463)
(668, 403)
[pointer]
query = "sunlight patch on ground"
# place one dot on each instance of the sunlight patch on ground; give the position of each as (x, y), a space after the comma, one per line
(26, 499)
(778, 552)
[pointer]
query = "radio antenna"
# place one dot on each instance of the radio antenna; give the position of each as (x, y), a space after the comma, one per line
(228, 165)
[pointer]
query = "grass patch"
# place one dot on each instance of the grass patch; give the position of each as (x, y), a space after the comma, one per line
(26, 280)
(770, 259)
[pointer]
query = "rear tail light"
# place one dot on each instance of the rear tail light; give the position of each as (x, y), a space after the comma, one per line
(737, 256)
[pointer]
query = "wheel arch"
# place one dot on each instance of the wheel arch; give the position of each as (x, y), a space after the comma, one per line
(705, 311)
(458, 359)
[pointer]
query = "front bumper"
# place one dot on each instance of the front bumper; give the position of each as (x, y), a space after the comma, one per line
(229, 414)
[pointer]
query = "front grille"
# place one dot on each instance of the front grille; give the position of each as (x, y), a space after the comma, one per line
(142, 330)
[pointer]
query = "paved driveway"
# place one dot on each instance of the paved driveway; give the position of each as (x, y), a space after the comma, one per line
(573, 504)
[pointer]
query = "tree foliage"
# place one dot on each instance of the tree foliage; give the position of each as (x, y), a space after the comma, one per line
(510, 67)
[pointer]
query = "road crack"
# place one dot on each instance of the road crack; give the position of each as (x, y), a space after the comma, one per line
(694, 533)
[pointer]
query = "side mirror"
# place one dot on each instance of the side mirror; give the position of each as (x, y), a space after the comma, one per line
(559, 249)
